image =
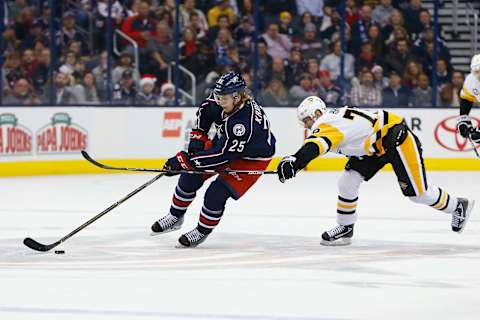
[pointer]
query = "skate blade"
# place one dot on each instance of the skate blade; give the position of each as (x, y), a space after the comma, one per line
(337, 243)
(467, 215)
(166, 231)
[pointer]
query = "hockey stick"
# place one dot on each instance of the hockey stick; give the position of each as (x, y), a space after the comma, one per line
(107, 167)
(32, 244)
(474, 147)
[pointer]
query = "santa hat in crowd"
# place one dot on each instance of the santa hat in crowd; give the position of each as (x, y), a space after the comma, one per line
(166, 86)
(148, 79)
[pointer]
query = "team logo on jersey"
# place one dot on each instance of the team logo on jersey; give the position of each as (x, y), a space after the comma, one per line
(239, 130)
(61, 135)
(15, 139)
(446, 135)
(172, 124)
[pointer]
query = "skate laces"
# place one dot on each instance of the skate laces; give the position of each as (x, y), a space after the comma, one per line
(194, 236)
(168, 221)
(336, 230)
(458, 216)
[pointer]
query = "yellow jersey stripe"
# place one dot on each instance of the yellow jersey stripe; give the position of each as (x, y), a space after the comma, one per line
(464, 94)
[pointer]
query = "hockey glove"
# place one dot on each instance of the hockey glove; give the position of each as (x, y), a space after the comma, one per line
(180, 162)
(464, 125)
(198, 141)
(286, 168)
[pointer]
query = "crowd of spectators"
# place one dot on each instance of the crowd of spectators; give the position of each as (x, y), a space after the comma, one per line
(388, 51)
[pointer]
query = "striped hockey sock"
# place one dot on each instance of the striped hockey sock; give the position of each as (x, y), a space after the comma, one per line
(209, 219)
(444, 202)
(180, 201)
(346, 211)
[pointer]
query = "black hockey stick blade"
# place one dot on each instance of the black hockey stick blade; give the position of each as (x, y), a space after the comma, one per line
(37, 246)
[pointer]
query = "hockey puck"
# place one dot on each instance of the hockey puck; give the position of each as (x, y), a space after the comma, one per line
(59, 251)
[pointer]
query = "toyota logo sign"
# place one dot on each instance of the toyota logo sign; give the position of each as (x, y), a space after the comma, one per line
(446, 135)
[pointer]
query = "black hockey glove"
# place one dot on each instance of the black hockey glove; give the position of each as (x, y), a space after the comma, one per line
(286, 168)
(179, 162)
(475, 135)
(464, 125)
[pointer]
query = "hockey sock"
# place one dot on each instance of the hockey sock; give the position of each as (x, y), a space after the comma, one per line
(185, 193)
(348, 186)
(214, 204)
(438, 199)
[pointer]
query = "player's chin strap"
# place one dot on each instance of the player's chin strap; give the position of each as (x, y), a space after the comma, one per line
(228, 171)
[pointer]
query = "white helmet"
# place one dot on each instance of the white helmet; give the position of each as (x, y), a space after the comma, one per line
(309, 106)
(475, 64)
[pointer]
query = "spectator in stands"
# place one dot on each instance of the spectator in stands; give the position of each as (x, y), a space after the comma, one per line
(280, 72)
(296, 64)
(195, 24)
(273, 8)
(205, 61)
(456, 86)
(425, 22)
(40, 74)
(167, 95)
(69, 61)
(396, 95)
(22, 94)
(223, 42)
(395, 20)
(445, 96)
(302, 90)
(244, 34)
(382, 12)
(286, 27)
(375, 38)
(360, 28)
(63, 89)
(311, 44)
(399, 33)
(331, 63)
(366, 57)
(125, 91)
(444, 75)
(222, 24)
(10, 41)
(69, 32)
(264, 62)
(146, 95)
(101, 76)
(351, 12)
(278, 45)
(422, 95)
(222, 7)
(125, 63)
(397, 60)
(23, 22)
(140, 27)
(379, 80)
(411, 14)
(29, 63)
(187, 10)
(100, 16)
(86, 91)
(412, 74)
(161, 51)
(35, 33)
(366, 94)
(315, 7)
(16, 7)
(305, 19)
(331, 93)
(12, 69)
(188, 48)
(275, 94)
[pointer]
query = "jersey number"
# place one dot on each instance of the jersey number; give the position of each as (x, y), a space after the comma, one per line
(237, 146)
(350, 114)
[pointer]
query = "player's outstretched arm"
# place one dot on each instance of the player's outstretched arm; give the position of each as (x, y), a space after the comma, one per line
(290, 165)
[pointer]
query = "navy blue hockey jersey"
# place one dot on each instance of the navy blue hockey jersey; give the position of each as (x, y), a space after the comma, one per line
(244, 134)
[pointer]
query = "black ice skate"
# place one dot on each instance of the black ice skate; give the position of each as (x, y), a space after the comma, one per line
(192, 238)
(166, 224)
(461, 214)
(338, 236)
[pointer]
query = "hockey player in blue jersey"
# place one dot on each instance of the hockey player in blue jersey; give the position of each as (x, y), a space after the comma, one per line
(243, 142)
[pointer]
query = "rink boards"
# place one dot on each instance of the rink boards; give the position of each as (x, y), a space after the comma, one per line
(46, 140)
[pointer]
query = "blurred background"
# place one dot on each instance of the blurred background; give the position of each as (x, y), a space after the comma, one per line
(391, 53)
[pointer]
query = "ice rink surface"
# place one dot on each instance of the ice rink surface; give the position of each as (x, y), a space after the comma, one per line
(263, 261)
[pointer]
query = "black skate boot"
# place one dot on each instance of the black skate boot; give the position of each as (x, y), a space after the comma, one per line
(461, 214)
(166, 224)
(338, 236)
(192, 238)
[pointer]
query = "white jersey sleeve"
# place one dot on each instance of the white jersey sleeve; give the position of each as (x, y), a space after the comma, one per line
(471, 89)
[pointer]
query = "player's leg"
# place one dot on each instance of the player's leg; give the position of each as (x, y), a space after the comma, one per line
(184, 194)
(224, 187)
(356, 171)
(407, 161)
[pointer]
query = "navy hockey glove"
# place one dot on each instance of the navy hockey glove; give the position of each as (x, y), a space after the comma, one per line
(464, 125)
(286, 168)
(198, 141)
(181, 161)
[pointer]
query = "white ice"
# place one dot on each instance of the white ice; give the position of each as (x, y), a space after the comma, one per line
(263, 261)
